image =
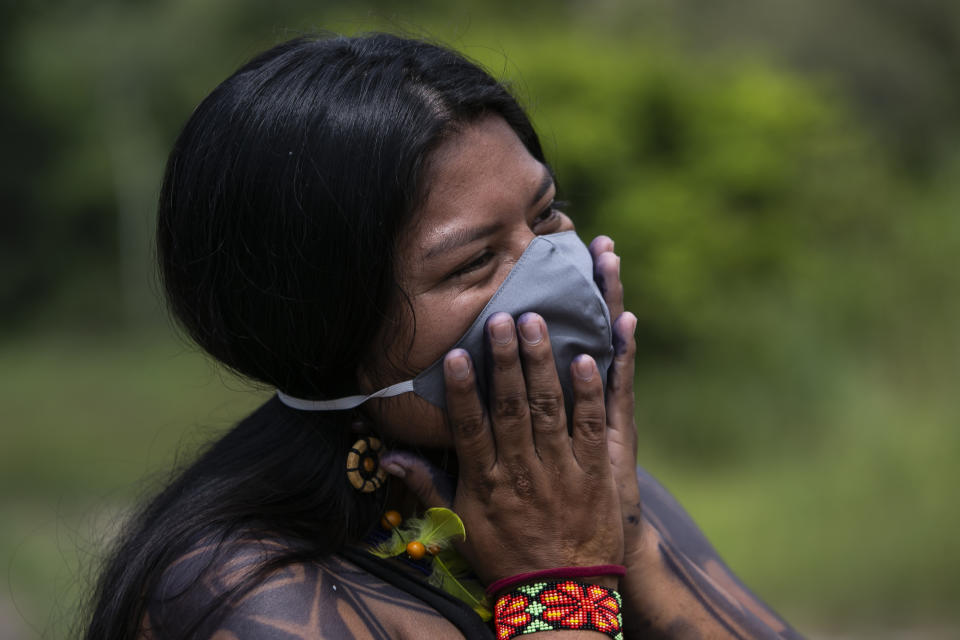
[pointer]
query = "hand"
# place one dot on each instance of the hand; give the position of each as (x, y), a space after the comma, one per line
(621, 425)
(531, 495)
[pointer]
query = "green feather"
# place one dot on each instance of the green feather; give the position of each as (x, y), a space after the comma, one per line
(392, 546)
(468, 591)
(437, 529)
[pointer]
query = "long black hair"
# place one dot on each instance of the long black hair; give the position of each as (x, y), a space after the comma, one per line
(279, 213)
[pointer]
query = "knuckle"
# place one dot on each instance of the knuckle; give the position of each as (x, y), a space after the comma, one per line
(618, 382)
(469, 426)
(546, 409)
(521, 480)
(623, 387)
(510, 406)
(591, 423)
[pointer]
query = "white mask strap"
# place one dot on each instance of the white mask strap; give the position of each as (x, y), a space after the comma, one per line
(348, 402)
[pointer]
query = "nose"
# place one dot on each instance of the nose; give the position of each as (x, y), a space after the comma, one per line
(524, 237)
(566, 223)
(525, 234)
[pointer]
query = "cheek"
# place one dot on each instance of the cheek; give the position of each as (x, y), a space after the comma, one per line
(407, 347)
(408, 418)
(441, 322)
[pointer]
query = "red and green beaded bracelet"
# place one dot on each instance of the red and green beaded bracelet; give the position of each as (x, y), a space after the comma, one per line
(558, 605)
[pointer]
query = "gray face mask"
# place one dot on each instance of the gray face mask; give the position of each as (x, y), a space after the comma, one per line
(554, 278)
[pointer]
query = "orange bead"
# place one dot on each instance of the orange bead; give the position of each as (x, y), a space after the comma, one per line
(434, 549)
(391, 519)
(369, 464)
(416, 550)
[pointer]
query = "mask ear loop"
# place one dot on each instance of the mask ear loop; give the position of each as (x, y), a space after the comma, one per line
(348, 402)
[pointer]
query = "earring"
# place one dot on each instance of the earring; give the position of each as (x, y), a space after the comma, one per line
(363, 465)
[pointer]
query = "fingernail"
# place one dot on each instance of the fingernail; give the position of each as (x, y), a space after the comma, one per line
(583, 367)
(458, 365)
(395, 470)
(601, 240)
(530, 329)
(618, 266)
(500, 329)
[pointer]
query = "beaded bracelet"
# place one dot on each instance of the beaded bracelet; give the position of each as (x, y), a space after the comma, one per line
(558, 605)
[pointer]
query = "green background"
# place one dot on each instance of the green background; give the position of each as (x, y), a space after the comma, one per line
(781, 177)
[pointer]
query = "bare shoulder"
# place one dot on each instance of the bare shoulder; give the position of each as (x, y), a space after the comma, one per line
(669, 517)
(311, 600)
(691, 559)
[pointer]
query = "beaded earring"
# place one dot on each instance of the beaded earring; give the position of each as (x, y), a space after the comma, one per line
(363, 465)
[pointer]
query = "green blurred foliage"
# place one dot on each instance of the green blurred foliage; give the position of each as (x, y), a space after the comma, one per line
(897, 61)
(781, 179)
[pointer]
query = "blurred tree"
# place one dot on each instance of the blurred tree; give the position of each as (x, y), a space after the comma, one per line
(897, 60)
(24, 282)
(97, 95)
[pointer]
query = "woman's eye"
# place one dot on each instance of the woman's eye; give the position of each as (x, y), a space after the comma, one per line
(548, 213)
(473, 265)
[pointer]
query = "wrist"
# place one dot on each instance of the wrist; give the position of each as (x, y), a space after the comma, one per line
(607, 582)
(605, 575)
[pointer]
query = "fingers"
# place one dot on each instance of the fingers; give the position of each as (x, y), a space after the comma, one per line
(599, 245)
(620, 378)
(589, 418)
(620, 399)
(431, 485)
(472, 437)
(606, 273)
(526, 412)
(620, 402)
(509, 406)
(544, 394)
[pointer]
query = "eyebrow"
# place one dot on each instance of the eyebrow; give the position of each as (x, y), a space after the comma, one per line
(460, 237)
(544, 187)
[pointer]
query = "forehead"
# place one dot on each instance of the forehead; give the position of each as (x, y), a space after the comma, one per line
(479, 175)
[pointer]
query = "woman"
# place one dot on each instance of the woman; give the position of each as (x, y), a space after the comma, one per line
(373, 216)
